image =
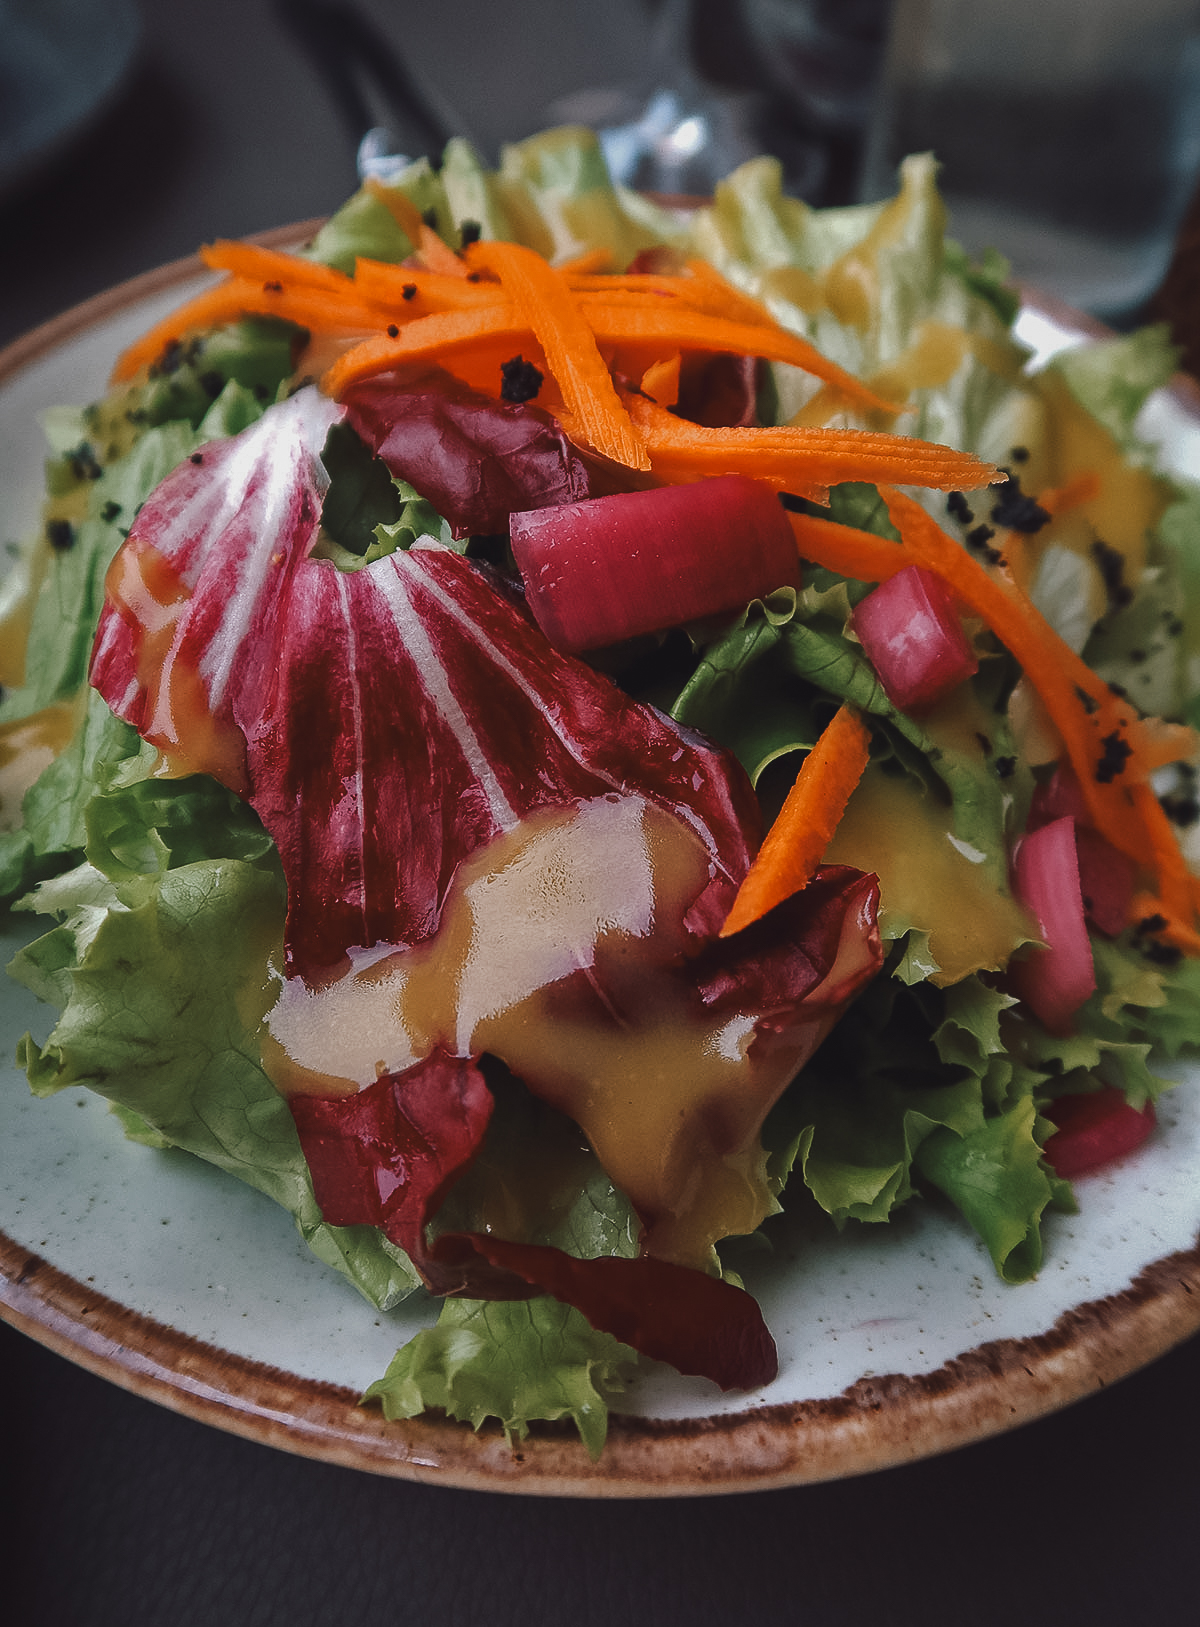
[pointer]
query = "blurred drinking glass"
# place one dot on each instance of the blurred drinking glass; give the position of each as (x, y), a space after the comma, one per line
(1068, 131)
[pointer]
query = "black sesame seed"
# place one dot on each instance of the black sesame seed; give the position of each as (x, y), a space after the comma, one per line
(84, 463)
(1015, 510)
(959, 508)
(469, 232)
(1117, 753)
(196, 457)
(110, 511)
(1005, 767)
(60, 534)
(393, 332)
(520, 380)
(409, 291)
(169, 360)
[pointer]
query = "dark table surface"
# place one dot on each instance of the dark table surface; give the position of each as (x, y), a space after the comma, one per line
(127, 1513)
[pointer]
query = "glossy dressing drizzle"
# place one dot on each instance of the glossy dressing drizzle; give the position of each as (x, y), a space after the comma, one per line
(561, 951)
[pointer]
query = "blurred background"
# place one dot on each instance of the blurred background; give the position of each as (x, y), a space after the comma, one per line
(1069, 130)
(130, 133)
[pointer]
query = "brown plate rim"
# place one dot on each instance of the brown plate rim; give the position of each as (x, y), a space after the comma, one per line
(876, 1423)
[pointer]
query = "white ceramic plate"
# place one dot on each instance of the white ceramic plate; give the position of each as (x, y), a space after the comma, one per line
(895, 1342)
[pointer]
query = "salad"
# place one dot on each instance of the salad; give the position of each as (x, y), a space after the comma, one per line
(496, 686)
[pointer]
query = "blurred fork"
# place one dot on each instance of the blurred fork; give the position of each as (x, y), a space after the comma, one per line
(368, 82)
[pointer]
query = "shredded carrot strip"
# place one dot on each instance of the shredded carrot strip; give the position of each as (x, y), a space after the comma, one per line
(658, 324)
(586, 264)
(845, 549)
(386, 284)
(739, 306)
(1161, 742)
(660, 381)
(435, 253)
(1015, 546)
(630, 284)
(803, 460)
(1081, 488)
(794, 846)
(316, 309)
(541, 297)
(1109, 749)
(254, 263)
(1175, 931)
(428, 337)
(1169, 864)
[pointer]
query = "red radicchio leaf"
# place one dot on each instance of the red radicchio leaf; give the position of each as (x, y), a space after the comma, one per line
(385, 1156)
(699, 1324)
(386, 724)
(203, 580)
(476, 459)
(803, 951)
(412, 697)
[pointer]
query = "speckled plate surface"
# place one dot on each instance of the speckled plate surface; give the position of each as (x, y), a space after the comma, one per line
(896, 1342)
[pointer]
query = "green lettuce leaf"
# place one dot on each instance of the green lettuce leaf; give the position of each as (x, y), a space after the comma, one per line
(185, 1070)
(995, 1176)
(516, 1361)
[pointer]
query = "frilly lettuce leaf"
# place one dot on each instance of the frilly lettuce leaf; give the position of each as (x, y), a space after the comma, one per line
(869, 283)
(185, 1071)
(996, 1177)
(516, 1361)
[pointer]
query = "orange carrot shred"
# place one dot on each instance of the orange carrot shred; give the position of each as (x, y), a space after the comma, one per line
(587, 264)
(413, 291)
(425, 338)
(794, 846)
(1081, 488)
(802, 460)
(845, 549)
(314, 308)
(660, 381)
(594, 411)
(258, 264)
(1108, 746)
(674, 324)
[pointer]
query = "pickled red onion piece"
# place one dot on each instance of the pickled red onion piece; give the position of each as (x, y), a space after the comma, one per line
(1107, 877)
(1094, 1129)
(1053, 981)
(640, 562)
(910, 630)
